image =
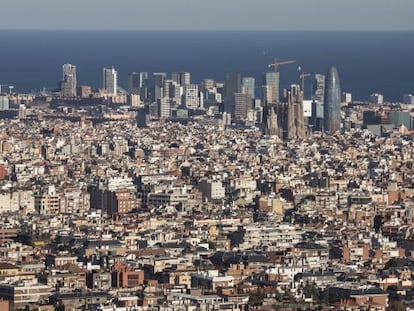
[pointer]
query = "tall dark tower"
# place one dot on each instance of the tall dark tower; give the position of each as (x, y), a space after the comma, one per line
(231, 86)
(332, 102)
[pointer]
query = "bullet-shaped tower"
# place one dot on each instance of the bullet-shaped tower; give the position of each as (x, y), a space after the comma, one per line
(332, 102)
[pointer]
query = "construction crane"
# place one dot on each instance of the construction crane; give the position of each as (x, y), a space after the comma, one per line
(276, 63)
(302, 77)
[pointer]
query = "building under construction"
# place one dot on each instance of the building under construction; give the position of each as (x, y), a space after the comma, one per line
(284, 118)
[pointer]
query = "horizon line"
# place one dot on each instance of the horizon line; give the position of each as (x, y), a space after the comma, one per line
(206, 30)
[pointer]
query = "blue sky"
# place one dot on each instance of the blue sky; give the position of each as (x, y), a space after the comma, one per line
(208, 14)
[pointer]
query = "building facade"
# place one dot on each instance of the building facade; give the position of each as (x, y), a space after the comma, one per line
(332, 102)
(231, 86)
(68, 84)
(248, 86)
(110, 80)
(271, 87)
(319, 88)
(182, 78)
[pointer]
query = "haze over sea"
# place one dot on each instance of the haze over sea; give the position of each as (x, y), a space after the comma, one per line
(367, 61)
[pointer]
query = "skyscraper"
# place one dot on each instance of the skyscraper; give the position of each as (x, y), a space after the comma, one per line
(242, 104)
(158, 78)
(164, 107)
(110, 80)
(231, 86)
(191, 97)
(270, 87)
(68, 84)
(182, 78)
(248, 86)
(176, 92)
(136, 82)
(332, 102)
(319, 88)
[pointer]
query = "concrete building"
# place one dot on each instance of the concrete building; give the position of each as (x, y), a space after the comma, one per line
(280, 237)
(207, 84)
(23, 294)
(242, 104)
(68, 84)
(399, 118)
(134, 100)
(408, 99)
(75, 201)
(137, 83)
(110, 80)
(84, 91)
(48, 202)
(376, 98)
(319, 88)
(176, 93)
(14, 201)
(182, 78)
(191, 97)
(248, 86)
(158, 84)
(164, 107)
(124, 276)
(346, 97)
(212, 189)
(4, 102)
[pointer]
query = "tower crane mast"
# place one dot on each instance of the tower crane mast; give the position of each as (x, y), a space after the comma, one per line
(302, 77)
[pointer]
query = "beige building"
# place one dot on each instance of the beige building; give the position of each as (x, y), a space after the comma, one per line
(23, 294)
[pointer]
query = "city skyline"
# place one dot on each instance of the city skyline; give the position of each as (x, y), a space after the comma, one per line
(193, 15)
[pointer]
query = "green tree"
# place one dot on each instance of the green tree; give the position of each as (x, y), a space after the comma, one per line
(256, 299)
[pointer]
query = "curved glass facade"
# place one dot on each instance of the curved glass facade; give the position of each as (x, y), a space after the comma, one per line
(332, 102)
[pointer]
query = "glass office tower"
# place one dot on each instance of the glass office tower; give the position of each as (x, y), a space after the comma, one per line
(332, 102)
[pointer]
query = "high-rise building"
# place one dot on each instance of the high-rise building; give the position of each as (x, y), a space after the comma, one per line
(332, 102)
(182, 78)
(408, 99)
(270, 87)
(139, 81)
(207, 84)
(166, 87)
(231, 86)
(4, 102)
(319, 88)
(110, 80)
(248, 86)
(191, 96)
(346, 97)
(164, 107)
(134, 82)
(158, 78)
(376, 98)
(242, 104)
(68, 84)
(176, 92)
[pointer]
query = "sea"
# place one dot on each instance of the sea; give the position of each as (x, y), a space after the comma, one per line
(367, 62)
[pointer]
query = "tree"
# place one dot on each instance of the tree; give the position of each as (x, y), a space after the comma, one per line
(396, 305)
(256, 299)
